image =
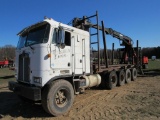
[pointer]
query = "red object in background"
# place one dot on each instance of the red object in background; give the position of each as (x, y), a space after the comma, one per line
(6, 62)
(145, 60)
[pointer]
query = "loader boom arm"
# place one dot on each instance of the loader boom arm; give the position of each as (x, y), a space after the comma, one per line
(85, 25)
(115, 34)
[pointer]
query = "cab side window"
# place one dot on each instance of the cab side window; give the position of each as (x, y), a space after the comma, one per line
(67, 38)
(55, 36)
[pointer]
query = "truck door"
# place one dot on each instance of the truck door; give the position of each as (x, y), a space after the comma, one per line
(77, 54)
(61, 53)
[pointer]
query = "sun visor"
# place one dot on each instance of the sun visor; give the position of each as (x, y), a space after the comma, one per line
(25, 30)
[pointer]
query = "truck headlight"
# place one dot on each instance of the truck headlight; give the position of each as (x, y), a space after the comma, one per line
(37, 80)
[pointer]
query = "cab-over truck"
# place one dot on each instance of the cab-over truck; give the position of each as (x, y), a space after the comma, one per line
(54, 62)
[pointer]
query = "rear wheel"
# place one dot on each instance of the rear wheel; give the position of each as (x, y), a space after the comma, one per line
(134, 74)
(121, 78)
(128, 76)
(112, 80)
(58, 97)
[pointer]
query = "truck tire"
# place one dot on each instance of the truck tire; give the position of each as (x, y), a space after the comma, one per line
(112, 80)
(57, 97)
(128, 76)
(134, 74)
(103, 82)
(121, 78)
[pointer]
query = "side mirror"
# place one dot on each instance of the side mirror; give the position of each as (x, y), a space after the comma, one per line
(61, 37)
(62, 45)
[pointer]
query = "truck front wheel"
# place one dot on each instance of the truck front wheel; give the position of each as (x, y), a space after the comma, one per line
(58, 97)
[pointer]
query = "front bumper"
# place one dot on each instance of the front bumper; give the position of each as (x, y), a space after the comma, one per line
(32, 93)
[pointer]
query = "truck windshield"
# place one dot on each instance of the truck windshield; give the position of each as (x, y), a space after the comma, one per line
(33, 36)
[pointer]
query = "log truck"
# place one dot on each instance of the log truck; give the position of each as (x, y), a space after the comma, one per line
(54, 62)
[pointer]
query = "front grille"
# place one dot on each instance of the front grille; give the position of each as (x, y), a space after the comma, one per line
(24, 68)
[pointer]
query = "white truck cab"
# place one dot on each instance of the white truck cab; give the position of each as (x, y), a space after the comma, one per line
(52, 61)
(49, 50)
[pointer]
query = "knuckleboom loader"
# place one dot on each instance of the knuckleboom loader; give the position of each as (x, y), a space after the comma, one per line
(54, 62)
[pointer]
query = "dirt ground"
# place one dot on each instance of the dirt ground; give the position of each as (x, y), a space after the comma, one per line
(138, 100)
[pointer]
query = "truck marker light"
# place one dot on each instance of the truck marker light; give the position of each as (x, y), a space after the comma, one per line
(37, 80)
(49, 55)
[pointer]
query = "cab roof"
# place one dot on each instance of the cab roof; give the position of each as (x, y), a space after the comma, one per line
(53, 23)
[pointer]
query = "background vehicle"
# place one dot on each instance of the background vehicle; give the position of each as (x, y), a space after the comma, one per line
(4, 63)
(153, 58)
(54, 61)
(145, 62)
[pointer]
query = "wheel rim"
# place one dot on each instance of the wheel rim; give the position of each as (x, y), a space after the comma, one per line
(122, 78)
(61, 98)
(128, 75)
(135, 73)
(113, 79)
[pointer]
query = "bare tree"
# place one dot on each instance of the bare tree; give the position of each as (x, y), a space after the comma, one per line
(7, 52)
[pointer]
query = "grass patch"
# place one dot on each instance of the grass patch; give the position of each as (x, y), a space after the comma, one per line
(154, 64)
(6, 75)
(153, 68)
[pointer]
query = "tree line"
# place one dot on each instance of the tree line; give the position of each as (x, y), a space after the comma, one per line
(151, 51)
(8, 52)
(148, 52)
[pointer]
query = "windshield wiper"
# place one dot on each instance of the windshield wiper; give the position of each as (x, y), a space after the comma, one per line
(31, 47)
